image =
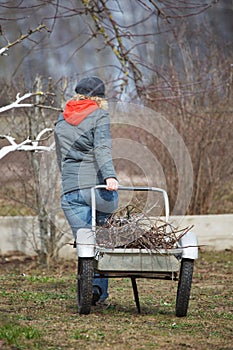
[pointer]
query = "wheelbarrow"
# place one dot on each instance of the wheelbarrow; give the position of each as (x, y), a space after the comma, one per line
(169, 264)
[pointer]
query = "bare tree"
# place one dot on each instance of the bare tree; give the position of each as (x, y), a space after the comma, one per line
(201, 108)
(33, 188)
(121, 39)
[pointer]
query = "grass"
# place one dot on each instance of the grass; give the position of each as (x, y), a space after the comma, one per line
(13, 334)
(39, 311)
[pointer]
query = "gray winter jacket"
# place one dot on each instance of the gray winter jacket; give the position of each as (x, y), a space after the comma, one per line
(83, 146)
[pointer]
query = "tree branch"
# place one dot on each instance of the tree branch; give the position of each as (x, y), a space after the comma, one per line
(17, 104)
(26, 145)
(19, 99)
(3, 50)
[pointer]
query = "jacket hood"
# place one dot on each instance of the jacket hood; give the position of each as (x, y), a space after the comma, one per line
(76, 111)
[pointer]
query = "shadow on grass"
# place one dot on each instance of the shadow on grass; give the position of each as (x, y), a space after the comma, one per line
(118, 309)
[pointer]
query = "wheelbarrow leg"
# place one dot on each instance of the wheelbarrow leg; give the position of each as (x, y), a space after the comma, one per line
(135, 292)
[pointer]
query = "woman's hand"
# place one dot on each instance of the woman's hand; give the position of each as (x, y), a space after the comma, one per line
(111, 184)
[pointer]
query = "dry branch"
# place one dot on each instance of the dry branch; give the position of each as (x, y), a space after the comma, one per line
(26, 145)
(17, 103)
(138, 231)
(3, 50)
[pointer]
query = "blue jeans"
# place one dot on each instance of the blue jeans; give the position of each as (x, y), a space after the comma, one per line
(77, 209)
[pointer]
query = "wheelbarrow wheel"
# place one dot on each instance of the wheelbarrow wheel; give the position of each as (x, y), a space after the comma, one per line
(85, 276)
(184, 287)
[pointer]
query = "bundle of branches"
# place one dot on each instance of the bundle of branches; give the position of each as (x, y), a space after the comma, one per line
(130, 229)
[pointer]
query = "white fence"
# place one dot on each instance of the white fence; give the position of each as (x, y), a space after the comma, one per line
(214, 232)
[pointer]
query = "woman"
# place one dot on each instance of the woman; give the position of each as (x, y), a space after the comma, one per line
(83, 148)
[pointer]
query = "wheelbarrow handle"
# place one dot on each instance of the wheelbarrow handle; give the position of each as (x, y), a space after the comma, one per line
(126, 188)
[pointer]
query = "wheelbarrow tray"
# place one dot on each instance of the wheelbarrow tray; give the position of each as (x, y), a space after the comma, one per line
(140, 262)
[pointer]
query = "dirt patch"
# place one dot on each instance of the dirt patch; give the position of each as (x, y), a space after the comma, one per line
(39, 311)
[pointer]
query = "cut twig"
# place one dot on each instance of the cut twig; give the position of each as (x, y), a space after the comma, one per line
(137, 230)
